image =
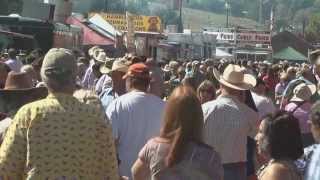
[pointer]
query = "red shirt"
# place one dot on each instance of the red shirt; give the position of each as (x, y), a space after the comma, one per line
(270, 82)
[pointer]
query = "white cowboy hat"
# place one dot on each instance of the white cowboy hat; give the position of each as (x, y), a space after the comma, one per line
(166, 68)
(235, 77)
(91, 50)
(102, 57)
(96, 52)
(105, 68)
(303, 92)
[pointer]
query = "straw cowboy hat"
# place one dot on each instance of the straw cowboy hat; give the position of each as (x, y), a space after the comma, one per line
(19, 91)
(18, 82)
(105, 68)
(121, 65)
(235, 77)
(19, 85)
(303, 92)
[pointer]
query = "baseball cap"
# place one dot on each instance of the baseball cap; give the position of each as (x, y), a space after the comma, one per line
(59, 61)
(138, 70)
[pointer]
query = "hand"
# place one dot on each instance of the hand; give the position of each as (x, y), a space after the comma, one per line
(124, 178)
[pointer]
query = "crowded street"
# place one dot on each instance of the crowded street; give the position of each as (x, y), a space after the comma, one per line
(142, 90)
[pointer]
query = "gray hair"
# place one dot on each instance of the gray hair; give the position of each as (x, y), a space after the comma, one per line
(27, 68)
(58, 82)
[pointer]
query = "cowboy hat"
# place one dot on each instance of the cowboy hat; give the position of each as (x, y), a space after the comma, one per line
(235, 77)
(120, 65)
(19, 91)
(303, 92)
(20, 84)
(166, 68)
(105, 68)
(102, 57)
(96, 52)
(91, 50)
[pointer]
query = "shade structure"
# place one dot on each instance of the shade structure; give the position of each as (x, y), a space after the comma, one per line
(222, 54)
(289, 54)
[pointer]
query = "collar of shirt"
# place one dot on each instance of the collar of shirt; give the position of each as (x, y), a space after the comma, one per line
(109, 92)
(60, 96)
(234, 98)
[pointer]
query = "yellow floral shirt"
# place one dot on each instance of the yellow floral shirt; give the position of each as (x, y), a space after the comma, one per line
(58, 138)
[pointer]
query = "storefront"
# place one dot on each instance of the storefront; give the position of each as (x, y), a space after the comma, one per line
(252, 45)
(188, 46)
(244, 44)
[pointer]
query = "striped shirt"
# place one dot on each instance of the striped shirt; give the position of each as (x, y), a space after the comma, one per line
(228, 123)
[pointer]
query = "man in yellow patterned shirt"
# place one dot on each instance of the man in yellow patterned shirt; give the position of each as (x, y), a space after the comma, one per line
(59, 137)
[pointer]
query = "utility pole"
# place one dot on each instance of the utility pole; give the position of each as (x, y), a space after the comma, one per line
(228, 7)
(106, 5)
(260, 12)
(180, 26)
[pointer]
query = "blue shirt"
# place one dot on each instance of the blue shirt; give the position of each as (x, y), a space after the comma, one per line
(107, 96)
(313, 172)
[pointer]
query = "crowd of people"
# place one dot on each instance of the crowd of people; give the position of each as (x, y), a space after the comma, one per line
(68, 114)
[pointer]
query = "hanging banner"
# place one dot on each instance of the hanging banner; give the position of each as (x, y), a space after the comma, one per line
(141, 23)
(253, 37)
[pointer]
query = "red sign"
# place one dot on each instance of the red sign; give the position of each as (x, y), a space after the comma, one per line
(254, 38)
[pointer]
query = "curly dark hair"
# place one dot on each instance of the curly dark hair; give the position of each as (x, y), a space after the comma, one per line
(284, 136)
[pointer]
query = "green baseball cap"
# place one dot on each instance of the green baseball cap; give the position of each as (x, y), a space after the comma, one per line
(59, 61)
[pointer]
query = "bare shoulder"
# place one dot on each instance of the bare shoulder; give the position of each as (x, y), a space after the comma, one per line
(277, 171)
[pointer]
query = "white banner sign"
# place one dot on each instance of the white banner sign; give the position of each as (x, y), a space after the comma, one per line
(223, 36)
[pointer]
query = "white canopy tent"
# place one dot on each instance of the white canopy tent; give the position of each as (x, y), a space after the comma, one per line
(222, 54)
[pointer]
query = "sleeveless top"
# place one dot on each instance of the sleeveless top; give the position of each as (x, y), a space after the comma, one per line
(198, 162)
(295, 174)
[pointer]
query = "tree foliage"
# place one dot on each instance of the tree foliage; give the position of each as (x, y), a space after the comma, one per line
(10, 6)
(313, 29)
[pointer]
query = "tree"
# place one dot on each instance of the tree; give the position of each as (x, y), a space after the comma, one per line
(4, 7)
(313, 28)
(15, 6)
(168, 17)
(302, 18)
(10, 6)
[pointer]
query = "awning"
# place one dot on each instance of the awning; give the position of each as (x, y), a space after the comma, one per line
(222, 54)
(289, 54)
(105, 27)
(255, 52)
(13, 34)
(90, 37)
